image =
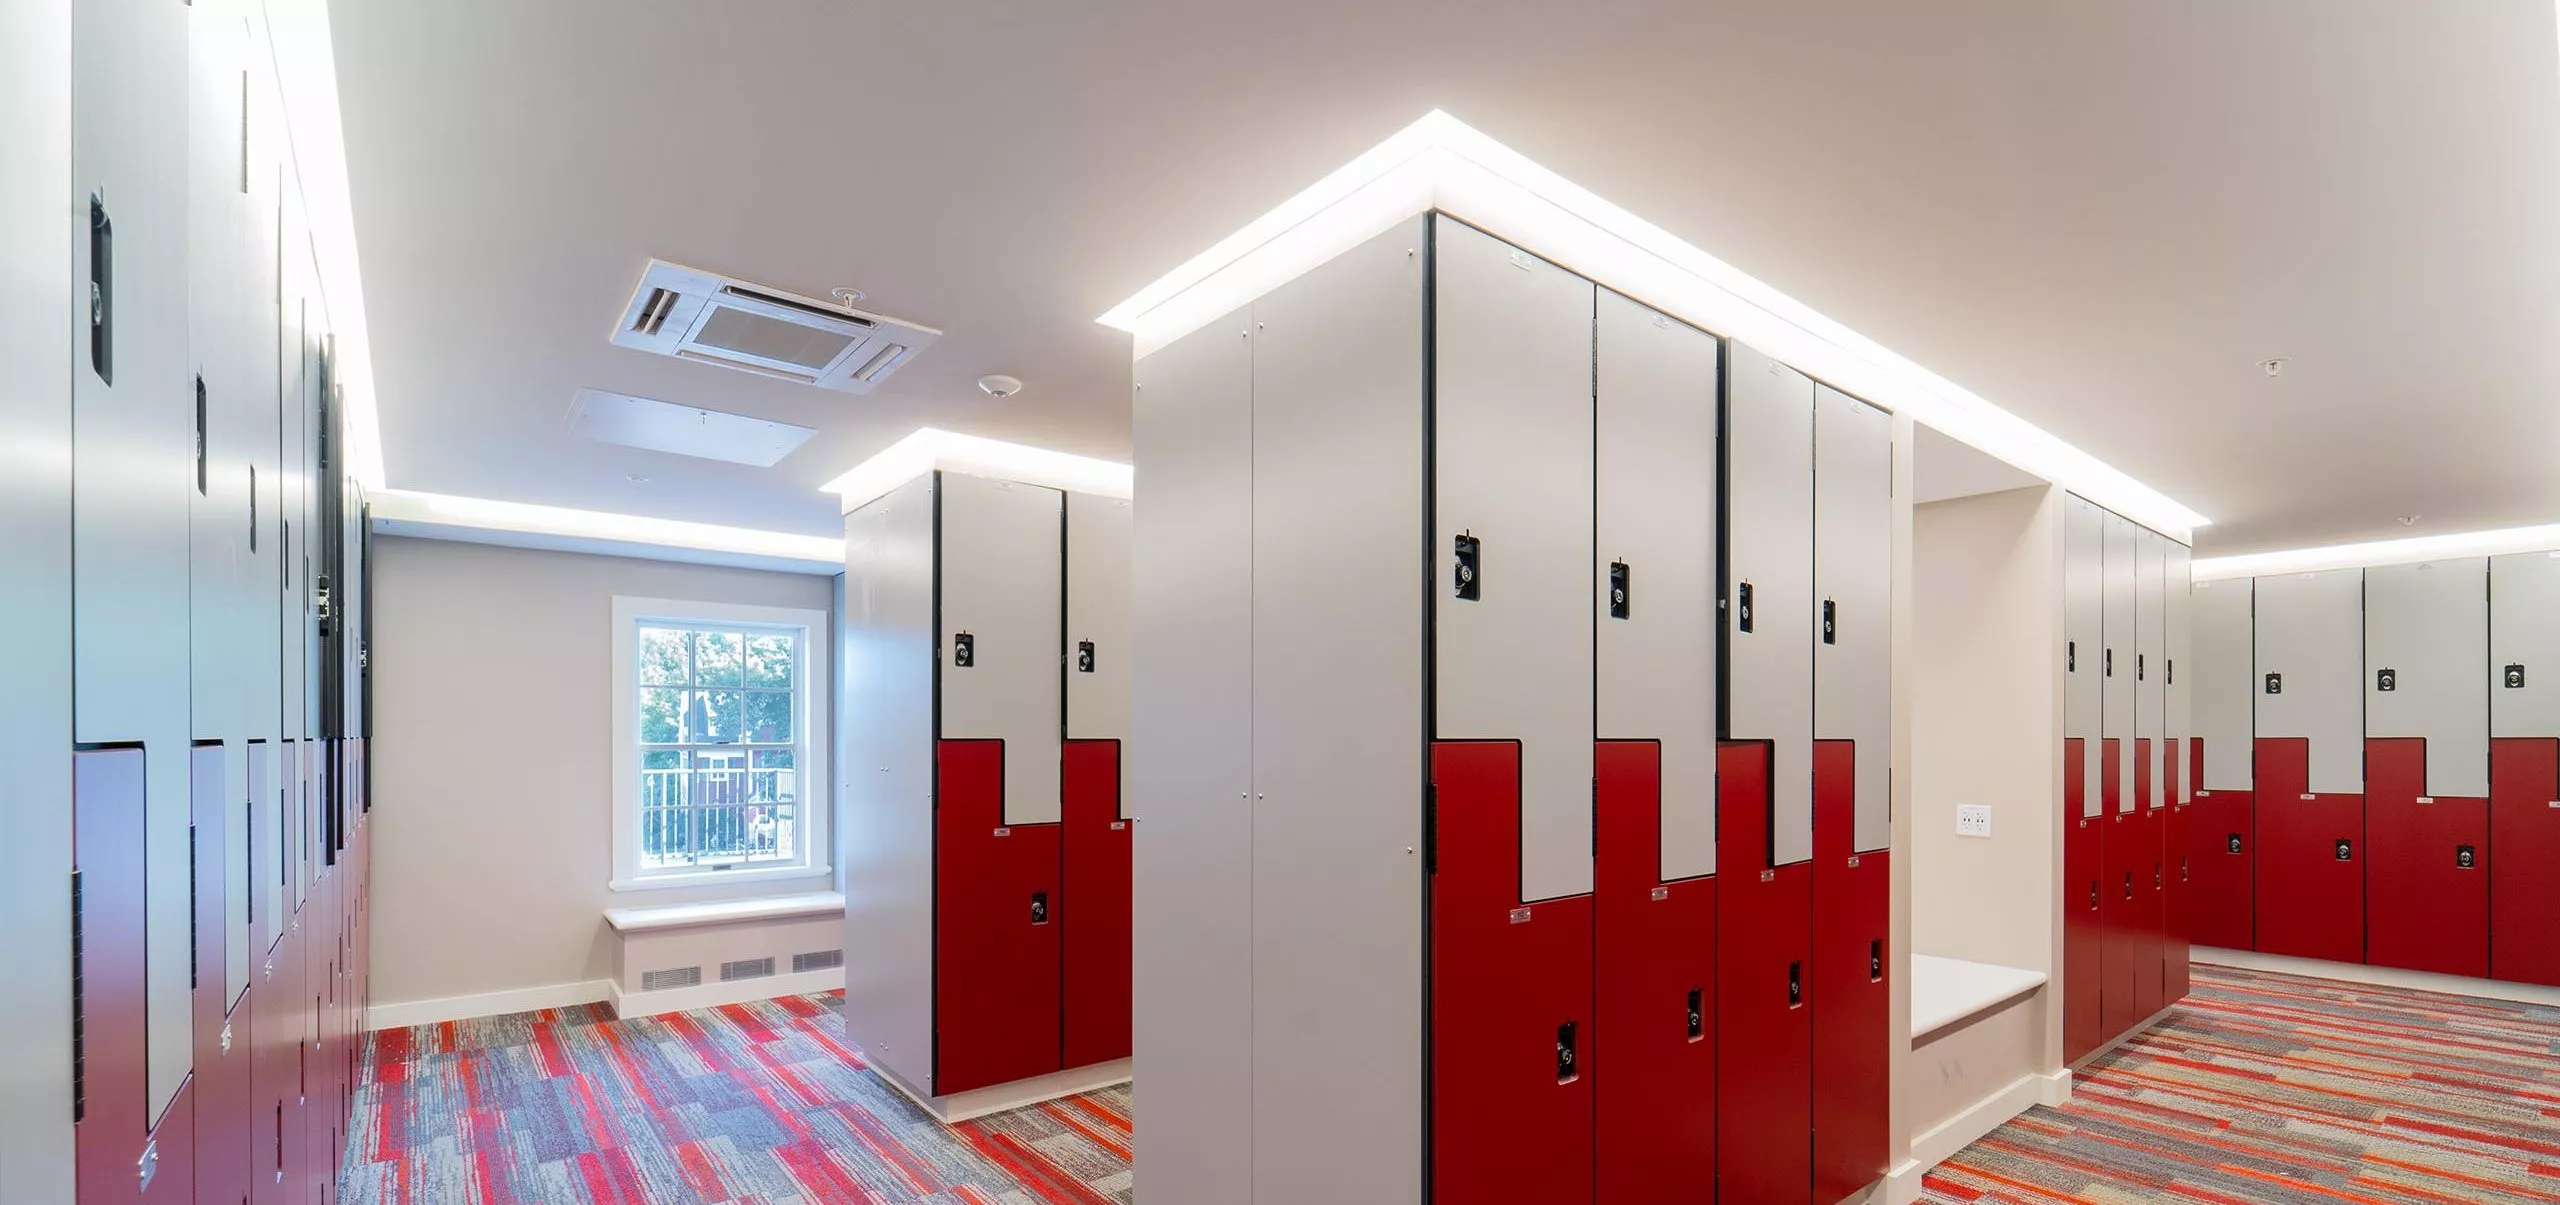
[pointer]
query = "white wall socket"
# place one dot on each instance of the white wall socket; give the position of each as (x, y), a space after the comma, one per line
(1973, 820)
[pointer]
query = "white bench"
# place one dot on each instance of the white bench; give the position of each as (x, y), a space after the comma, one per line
(673, 957)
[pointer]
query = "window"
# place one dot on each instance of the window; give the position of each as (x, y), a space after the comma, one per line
(718, 714)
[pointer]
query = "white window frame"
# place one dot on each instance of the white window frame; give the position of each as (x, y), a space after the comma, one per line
(816, 736)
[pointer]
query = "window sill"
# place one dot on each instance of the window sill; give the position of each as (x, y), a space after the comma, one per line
(709, 878)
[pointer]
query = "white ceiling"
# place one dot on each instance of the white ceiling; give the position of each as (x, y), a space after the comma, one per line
(2098, 215)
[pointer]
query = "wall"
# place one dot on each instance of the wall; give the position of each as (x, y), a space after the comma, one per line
(493, 761)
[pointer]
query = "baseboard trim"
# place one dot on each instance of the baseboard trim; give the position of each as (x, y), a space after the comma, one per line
(1941, 1142)
(2373, 976)
(487, 1004)
(979, 1102)
(628, 1005)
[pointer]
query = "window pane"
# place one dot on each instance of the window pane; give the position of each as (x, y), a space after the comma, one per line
(775, 779)
(718, 716)
(664, 659)
(661, 716)
(768, 659)
(719, 659)
(769, 717)
(664, 808)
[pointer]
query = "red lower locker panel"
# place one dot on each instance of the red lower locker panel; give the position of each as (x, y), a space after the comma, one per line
(2524, 825)
(221, 1084)
(1764, 1029)
(1852, 997)
(2222, 852)
(1512, 1070)
(2428, 881)
(2083, 934)
(2179, 903)
(172, 1152)
(1096, 875)
(997, 916)
(1654, 996)
(2149, 862)
(2120, 955)
(2311, 852)
(112, 1106)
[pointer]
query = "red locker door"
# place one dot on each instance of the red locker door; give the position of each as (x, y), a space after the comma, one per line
(2429, 875)
(2083, 936)
(2181, 902)
(2311, 854)
(997, 913)
(1511, 1000)
(1096, 935)
(2524, 819)
(111, 1101)
(1764, 1031)
(172, 1152)
(2148, 941)
(2119, 850)
(221, 1087)
(1654, 996)
(1852, 1002)
(2222, 851)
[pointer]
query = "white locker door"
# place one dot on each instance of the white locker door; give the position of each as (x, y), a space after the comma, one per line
(2524, 644)
(1656, 561)
(1512, 431)
(1003, 630)
(2119, 621)
(1769, 609)
(1853, 588)
(2226, 684)
(2177, 677)
(2084, 528)
(1098, 619)
(2310, 638)
(2150, 657)
(2426, 656)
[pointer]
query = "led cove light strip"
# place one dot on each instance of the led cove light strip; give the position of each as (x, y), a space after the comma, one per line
(929, 449)
(306, 72)
(489, 514)
(2381, 552)
(1441, 163)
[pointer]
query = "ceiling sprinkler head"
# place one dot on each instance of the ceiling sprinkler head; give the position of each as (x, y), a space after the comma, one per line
(1000, 386)
(2274, 366)
(845, 295)
(2410, 520)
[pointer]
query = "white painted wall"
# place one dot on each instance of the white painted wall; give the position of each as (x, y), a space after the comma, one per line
(492, 760)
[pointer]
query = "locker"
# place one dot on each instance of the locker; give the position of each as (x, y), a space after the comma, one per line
(1853, 582)
(2123, 947)
(2150, 670)
(998, 912)
(2083, 925)
(2178, 679)
(2524, 827)
(1098, 578)
(2083, 808)
(1852, 1002)
(1655, 1138)
(1764, 1028)
(2524, 645)
(1512, 404)
(1512, 1037)
(1769, 604)
(221, 1080)
(2428, 883)
(112, 1113)
(2310, 729)
(2180, 904)
(2120, 630)
(2147, 943)
(1000, 576)
(2310, 879)
(2222, 832)
(1656, 562)
(2426, 653)
(1095, 937)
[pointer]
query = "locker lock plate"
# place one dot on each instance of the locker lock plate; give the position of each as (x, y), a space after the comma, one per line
(1470, 568)
(1618, 588)
(964, 650)
(1568, 1066)
(2513, 677)
(1084, 656)
(2464, 857)
(1039, 907)
(2275, 684)
(2346, 850)
(2386, 680)
(1697, 1014)
(1742, 607)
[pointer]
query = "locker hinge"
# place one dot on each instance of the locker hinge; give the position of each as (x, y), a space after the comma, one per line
(194, 975)
(1595, 817)
(79, 1008)
(1430, 828)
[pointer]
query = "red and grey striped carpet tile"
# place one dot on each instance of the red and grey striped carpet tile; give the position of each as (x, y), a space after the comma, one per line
(753, 1104)
(2272, 1088)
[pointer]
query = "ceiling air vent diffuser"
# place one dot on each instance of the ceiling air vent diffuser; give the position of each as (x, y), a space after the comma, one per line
(693, 315)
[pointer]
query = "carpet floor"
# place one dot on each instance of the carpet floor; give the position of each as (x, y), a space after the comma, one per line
(2272, 1088)
(755, 1104)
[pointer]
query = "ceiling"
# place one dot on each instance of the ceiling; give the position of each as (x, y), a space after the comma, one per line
(2100, 216)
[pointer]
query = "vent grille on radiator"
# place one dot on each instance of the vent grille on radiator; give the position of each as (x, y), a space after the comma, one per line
(747, 968)
(659, 981)
(822, 960)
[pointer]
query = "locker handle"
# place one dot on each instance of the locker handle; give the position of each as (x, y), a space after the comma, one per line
(1697, 1014)
(2157, 879)
(1619, 589)
(1470, 568)
(1830, 622)
(201, 480)
(2139, 667)
(1568, 1069)
(1875, 961)
(2107, 659)
(1795, 985)
(2128, 884)
(2071, 656)
(2093, 895)
(102, 289)
(1039, 907)
(1742, 609)
(2169, 672)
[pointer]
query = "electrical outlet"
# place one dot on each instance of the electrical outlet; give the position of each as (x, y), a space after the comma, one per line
(1973, 820)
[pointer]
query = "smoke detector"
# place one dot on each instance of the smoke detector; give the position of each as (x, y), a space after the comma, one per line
(711, 319)
(1000, 386)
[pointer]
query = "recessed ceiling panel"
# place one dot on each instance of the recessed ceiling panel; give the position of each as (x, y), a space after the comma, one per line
(639, 422)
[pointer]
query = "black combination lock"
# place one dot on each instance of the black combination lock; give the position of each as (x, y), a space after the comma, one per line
(2346, 850)
(964, 650)
(1568, 1068)
(1742, 608)
(2275, 684)
(1697, 1014)
(1039, 907)
(1617, 589)
(2386, 679)
(2514, 677)
(2463, 857)
(1470, 568)
(2235, 843)
(1875, 961)
(1084, 656)
(1795, 984)
(1830, 622)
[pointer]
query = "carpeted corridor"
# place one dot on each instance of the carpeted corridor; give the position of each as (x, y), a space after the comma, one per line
(2261, 1088)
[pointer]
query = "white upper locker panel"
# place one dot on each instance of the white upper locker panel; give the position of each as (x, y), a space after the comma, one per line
(1003, 631)
(2115, 659)
(2310, 642)
(1853, 588)
(2151, 658)
(2084, 534)
(2524, 645)
(1656, 571)
(1098, 585)
(2225, 675)
(2426, 657)
(1512, 425)
(1769, 614)
(2177, 680)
